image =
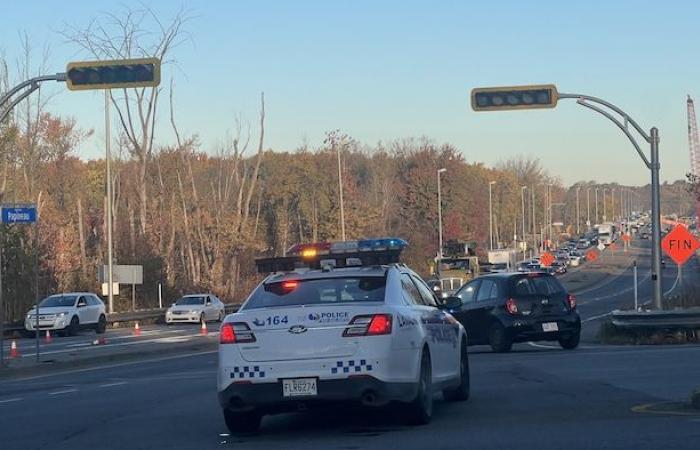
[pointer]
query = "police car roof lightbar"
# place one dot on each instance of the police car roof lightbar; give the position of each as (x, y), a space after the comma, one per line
(370, 252)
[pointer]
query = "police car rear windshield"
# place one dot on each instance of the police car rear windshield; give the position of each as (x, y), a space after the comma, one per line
(325, 291)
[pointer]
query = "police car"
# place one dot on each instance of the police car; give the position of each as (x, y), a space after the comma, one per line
(337, 322)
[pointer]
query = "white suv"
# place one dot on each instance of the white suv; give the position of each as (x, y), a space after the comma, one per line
(69, 313)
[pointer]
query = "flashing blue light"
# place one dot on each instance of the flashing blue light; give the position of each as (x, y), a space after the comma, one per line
(369, 245)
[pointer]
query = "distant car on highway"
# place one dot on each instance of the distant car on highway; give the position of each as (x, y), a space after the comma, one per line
(559, 267)
(196, 308)
(354, 326)
(501, 309)
(68, 313)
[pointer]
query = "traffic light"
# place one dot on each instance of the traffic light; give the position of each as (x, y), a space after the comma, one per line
(120, 73)
(514, 97)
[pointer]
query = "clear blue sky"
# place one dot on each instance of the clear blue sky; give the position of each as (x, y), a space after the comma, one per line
(386, 70)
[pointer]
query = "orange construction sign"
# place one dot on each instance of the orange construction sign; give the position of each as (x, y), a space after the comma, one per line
(680, 244)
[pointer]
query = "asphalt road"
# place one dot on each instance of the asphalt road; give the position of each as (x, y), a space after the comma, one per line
(534, 397)
(537, 396)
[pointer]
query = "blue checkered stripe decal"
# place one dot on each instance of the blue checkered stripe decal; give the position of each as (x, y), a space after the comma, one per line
(247, 372)
(351, 366)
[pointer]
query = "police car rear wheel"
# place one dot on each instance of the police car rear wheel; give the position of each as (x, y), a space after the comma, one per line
(242, 422)
(420, 410)
(461, 392)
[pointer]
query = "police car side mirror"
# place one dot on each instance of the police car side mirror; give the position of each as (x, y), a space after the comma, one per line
(453, 303)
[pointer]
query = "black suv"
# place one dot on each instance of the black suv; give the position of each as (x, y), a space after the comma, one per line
(501, 309)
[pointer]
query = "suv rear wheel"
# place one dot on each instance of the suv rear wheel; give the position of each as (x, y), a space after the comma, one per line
(570, 342)
(242, 422)
(498, 339)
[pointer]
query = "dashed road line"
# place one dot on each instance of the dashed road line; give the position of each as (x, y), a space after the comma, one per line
(10, 400)
(64, 391)
(116, 383)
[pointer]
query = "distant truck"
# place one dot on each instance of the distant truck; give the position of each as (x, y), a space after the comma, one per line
(606, 233)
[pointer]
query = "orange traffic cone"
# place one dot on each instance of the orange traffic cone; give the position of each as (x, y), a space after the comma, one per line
(48, 339)
(203, 330)
(137, 330)
(14, 351)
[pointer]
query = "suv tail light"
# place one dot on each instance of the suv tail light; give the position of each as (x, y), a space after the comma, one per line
(511, 306)
(571, 301)
(235, 333)
(373, 325)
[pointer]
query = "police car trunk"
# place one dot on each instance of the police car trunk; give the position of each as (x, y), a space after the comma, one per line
(305, 324)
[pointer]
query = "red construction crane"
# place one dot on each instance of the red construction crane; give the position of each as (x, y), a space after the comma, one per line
(694, 146)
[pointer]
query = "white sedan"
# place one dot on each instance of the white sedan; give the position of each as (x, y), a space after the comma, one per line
(371, 334)
(68, 313)
(195, 308)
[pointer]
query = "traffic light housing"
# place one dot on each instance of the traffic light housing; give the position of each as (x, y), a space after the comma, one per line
(514, 97)
(120, 73)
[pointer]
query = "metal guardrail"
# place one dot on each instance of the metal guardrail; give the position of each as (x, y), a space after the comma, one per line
(675, 319)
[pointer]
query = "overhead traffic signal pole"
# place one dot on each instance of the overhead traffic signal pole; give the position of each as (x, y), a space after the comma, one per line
(91, 75)
(546, 96)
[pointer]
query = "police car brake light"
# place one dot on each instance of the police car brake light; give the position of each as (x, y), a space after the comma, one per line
(236, 333)
(290, 285)
(369, 325)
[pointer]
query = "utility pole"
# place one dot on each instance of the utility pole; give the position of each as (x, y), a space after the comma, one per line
(340, 190)
(612, 205)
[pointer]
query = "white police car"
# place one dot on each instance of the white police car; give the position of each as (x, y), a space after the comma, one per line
(355, 325)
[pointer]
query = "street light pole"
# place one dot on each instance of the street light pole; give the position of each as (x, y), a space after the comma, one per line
(588, 209)
(578, 213)
(605, 215)
(533, 223)
(440, 171)
(108, 156)
(596, 206)
(522, 200)
(491, 183)
(612, 204)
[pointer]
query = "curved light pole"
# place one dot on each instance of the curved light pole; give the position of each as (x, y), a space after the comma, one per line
(546, 96)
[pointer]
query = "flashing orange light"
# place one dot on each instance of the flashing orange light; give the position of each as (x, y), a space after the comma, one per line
(309, 252)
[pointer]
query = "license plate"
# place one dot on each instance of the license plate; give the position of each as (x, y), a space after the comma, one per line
(299, 387)
(550, 326)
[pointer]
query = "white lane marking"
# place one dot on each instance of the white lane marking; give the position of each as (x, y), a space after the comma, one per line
(64, 391)
(541, 346)
(111, 366)
(116, 383)
(9, 400)
(164, 340)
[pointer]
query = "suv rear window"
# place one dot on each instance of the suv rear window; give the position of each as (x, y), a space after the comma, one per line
(318, 292)
(535, 284)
